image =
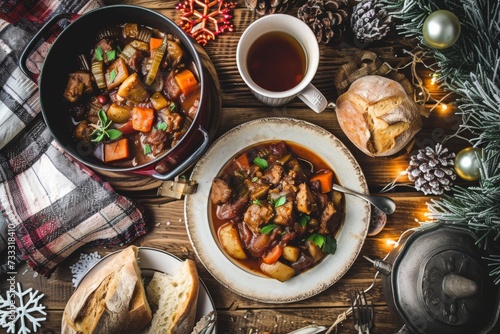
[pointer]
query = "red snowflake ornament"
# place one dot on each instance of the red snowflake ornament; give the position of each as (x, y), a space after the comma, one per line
(203, 20)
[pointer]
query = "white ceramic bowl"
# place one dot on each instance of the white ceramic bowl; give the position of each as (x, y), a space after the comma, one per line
(350, 237)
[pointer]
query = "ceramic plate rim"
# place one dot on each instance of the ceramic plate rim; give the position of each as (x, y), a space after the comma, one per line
(205, 301)
(318, 278)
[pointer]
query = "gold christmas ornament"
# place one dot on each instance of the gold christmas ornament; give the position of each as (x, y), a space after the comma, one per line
(441, 29)
(467, 163)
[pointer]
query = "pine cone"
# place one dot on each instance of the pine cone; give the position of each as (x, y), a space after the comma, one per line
(265, 7)
(327, 18)
(432, 170)
(370, 21)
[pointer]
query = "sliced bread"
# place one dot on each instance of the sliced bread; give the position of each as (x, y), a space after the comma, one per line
(174, 300)
(112, 300)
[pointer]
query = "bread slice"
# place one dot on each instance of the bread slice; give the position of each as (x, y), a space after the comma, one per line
(174, 299)
(112, 300)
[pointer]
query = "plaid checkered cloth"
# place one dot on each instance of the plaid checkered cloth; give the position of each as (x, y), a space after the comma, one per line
(51, 205)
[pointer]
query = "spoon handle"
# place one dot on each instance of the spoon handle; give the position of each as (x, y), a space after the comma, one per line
(385, 204)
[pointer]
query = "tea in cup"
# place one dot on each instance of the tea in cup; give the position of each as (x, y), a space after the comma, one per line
(277, 57)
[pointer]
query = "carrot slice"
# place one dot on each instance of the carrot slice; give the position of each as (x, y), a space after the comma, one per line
(142, 118)
(116, 150)
(242, 162)
(186, 81)
(325, 178)
(155, 43)
(272, 255)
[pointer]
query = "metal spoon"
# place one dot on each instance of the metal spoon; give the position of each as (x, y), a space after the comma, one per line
(384, 204)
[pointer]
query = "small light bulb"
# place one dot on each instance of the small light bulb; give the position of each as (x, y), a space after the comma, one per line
(391, 242)
(444, 107)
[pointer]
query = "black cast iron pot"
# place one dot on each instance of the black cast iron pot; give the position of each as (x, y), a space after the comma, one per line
(77, 38)
(437, 282)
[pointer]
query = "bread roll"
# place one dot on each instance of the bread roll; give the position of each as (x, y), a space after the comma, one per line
(174, 299)
(378, 116)
(112, 300)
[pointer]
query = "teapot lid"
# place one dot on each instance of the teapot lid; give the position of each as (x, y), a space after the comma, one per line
(441, 285)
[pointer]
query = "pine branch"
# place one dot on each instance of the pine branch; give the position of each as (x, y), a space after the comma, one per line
(479, 106)
(475, 207)
(471, 69)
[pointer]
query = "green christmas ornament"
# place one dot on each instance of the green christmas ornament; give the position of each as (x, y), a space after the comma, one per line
(441, 29)
(467, 163)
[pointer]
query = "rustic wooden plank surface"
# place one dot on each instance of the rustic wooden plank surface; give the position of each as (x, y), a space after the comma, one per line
(166, 217)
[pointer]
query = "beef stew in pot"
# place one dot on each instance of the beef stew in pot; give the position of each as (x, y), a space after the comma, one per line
(134, 95)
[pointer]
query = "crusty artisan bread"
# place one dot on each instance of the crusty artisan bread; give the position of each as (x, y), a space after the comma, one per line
(174, 299)
(378, 116)
(113, 300)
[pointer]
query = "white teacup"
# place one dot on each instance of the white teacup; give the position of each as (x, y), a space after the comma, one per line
(298, 30)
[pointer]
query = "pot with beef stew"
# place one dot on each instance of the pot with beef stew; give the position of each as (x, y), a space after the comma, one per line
(124, 89)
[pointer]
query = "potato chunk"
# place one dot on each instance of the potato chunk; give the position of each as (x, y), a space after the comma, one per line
(230, 240)
(133, 90)
(291, 253)
(118, 114)
(116, 73)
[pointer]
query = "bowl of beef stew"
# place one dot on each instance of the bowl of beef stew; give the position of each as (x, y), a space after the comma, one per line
(124, 89)
(265, 213)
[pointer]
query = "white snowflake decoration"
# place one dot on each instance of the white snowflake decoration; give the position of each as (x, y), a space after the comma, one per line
(83, 265)
(19, 315)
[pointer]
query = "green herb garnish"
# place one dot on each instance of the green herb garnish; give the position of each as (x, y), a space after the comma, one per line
(256, 201)
(327, 243)
(268, 228)
(172, 106)
(280, 201)
(99, 53)
(101, 128)
(262, 163)
(255, 179)
(147, 149)
(111, 55)
(304, 219)
(162, 126)
(112, 75)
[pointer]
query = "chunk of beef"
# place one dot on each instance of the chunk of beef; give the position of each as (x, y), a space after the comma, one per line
(232, 210)
(105, 47)
(306, 202)
(135, 61)
(257, 215)
(245, 234)
(257, 189)
(273, 175)
(259, 244)
(303, 262)
(83, 131)
(174, 122)
(221, 191)
(326, 218)
(78, 83)
(157, 140)
(283, 214)
(279, 149)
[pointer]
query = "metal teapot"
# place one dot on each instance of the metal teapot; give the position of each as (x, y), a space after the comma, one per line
(436, 281)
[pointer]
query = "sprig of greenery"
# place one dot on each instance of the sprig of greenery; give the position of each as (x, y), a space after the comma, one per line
(326, 242)
(101, 131)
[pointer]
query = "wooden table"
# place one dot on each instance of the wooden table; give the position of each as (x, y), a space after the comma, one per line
(237, 314)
